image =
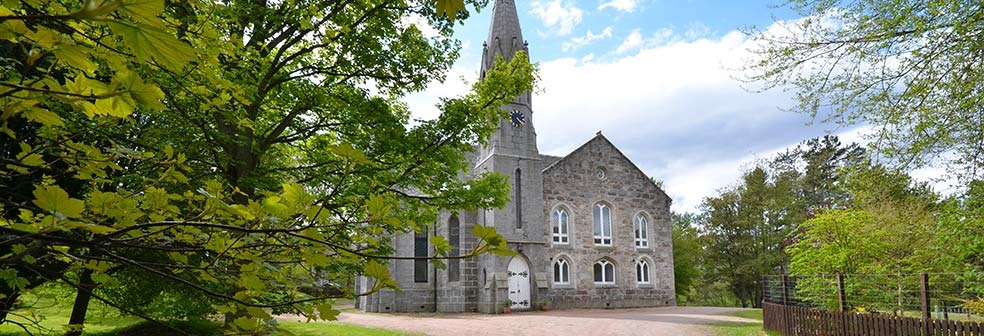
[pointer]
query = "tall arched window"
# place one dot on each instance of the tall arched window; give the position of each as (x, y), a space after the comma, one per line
(602, 225)
(454, 235)
(642, 271)
(519, 198)
(560, 227)
(641, 228)
(604, 272)
(561, 272)
(420, 250)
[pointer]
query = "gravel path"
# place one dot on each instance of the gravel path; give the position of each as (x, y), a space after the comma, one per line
(594, 322)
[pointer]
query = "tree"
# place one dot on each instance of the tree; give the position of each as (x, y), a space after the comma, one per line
(745, 230)
(686, 253)
(888, 228)
(279, 156)
(911, 69)
(961, 240)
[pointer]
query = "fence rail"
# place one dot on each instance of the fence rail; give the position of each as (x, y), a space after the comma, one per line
(786, 311)
(802, 321)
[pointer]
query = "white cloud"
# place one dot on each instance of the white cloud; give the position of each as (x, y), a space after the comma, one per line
(620, 5)
(560, 13)
(633, 41)
(636, 40)
(421, 23)
(671, 105)
(578, 42)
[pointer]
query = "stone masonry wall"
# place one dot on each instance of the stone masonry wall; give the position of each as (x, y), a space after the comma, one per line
(573, 183)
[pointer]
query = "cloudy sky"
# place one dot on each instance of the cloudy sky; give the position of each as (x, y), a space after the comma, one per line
(656, 77)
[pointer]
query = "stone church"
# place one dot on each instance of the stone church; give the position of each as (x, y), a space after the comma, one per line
(590, 228)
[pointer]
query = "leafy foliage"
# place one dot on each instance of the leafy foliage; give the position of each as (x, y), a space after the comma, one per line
(231, 150)
(686, 254)
(909, 68)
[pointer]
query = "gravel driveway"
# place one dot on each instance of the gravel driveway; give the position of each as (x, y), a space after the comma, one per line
(593, 322)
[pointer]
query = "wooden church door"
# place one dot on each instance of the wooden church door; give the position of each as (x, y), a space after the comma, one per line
(519, 283)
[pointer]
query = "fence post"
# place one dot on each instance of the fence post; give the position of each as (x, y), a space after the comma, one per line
(785, 289)
(924, 297)
(840, 303)
(840, 293)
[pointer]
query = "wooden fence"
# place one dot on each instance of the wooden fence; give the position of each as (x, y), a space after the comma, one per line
(800, 321)
(792, 320)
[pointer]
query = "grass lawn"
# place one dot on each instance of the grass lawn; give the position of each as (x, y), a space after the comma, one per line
(101, 321)
(743, 328)
(332, 329)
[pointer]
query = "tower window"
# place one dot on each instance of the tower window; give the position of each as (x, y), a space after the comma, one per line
(420, 250)
(454, 235)
(519, 198)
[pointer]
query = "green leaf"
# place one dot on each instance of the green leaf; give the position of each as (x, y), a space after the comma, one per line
(77, 57)
(55, 200)
(259, 313)
(95, 9)
(43, 117)
(450, 8)
(316, 257)
(101, 278)
(147, 95)
(326, 313)
(98, 229)
(144, 11)
(153, 44)
(376, 270)
(245, 323)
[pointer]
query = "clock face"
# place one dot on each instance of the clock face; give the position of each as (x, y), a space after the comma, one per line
(517, 118)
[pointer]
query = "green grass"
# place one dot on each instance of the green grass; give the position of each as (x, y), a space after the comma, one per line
(332, 329)
(755, 314)
(743, 328)
(102, 321)
(50, 315)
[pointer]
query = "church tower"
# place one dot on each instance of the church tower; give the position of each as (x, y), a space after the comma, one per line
(511, 150)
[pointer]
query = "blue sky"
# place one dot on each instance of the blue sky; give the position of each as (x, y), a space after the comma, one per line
(656, 77)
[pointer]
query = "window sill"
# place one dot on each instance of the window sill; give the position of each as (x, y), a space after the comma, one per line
(644, 249)
(645, 285)
(604, 285)
(559, 245)
(564, 286)
(605, 247)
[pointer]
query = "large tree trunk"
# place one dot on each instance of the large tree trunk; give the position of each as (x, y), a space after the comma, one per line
(82, 297)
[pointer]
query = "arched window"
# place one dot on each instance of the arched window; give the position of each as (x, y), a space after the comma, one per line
(561, 272)
(604, 272)
(641, 228)
(561, 229)
(519, 198)
(642, 271)
(602, 225)
(454, 235)
(420, 250)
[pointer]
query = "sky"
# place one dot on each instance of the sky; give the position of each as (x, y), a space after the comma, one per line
(657, 77)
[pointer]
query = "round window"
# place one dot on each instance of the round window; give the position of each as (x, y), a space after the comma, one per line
(601, 173)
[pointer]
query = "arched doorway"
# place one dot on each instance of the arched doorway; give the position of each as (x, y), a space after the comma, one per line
(519, 283)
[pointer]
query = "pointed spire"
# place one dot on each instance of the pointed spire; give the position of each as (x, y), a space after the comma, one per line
(505, 35)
